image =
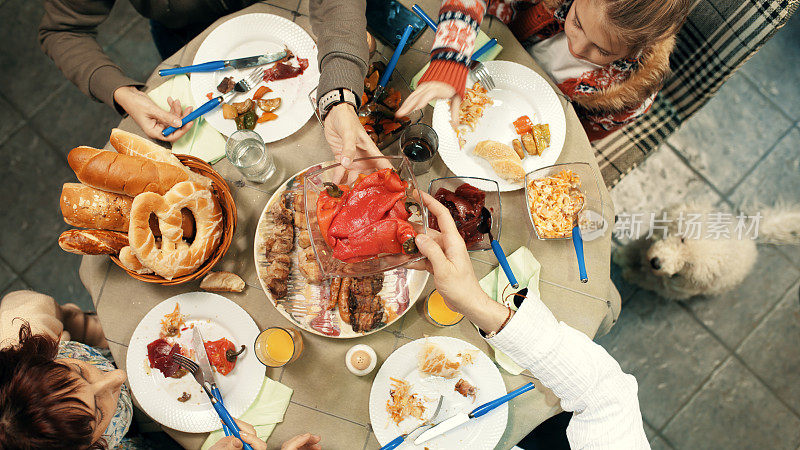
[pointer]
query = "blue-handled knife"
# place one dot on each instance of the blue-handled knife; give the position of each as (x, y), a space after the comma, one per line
(228, 424)
(462, 418)
(238, 63)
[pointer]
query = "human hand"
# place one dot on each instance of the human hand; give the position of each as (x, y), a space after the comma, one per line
(346, 135)
(427, 92)
(302, 442)
(149, 116)
(448, 261)
(248, 434)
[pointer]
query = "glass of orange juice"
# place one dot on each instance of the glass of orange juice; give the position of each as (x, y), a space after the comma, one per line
(277, 346)
(438, 313)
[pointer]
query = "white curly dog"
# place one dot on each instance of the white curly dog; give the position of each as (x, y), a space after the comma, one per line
(677, 262)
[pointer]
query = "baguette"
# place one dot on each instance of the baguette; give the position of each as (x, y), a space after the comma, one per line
(92, 242)
(123, 174)
(504, 160)
(133, 145)
(86, 207)
(222, 282)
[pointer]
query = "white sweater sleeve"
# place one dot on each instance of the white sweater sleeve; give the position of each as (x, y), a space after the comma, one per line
(582, 374)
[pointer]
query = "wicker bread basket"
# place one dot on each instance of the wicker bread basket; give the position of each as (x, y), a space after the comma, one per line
(221, 191)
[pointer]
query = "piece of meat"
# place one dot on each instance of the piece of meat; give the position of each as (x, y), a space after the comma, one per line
(298, 202)
(368, 286)
(342, 300)
(467, 390)
(300, 220)
(304, 239)
(276, 274)
(310, 269)
(367, 321)
(366, 307)
(226, 85)
(333, 298)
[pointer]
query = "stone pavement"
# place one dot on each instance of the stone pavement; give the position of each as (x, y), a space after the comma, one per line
(715, 372)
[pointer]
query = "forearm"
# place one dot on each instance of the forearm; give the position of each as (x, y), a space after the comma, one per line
(582, 374)
(454, 43)
(341, 30)
(68, 35)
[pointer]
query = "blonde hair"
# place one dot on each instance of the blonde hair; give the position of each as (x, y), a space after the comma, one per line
(642, 23)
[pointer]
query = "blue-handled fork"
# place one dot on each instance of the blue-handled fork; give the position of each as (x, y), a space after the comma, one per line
(245, 84)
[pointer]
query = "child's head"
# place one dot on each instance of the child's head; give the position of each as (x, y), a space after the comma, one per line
(603, 31)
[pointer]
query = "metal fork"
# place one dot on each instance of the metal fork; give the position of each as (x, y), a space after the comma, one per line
(242, 86)
(477, 68)
(479, 71)
(399, 439)
(223, 413)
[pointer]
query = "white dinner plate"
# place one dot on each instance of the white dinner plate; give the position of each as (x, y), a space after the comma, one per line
(402, 287)
(519, 91)
(257, 34)
(216, 317)
(477, 434)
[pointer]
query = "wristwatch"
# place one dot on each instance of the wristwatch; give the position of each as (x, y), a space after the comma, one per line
(335, 97)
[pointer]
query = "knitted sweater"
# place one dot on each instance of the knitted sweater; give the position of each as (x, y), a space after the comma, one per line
(582, 374)
(605, 99)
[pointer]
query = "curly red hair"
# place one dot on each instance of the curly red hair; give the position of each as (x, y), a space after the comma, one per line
(38, 407)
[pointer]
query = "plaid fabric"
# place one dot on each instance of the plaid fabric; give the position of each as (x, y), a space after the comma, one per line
(718, 37)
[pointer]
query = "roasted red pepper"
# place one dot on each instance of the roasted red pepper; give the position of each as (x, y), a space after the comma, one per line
(370, 219)
(222, 355)
(328, 205)
(385, 236)
(369, 201)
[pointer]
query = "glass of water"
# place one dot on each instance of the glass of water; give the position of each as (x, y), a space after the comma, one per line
(246, 150)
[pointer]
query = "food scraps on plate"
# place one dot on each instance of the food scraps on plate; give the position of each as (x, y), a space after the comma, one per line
(245, 113)
(431, 361)
(554, 203)
(221, 353)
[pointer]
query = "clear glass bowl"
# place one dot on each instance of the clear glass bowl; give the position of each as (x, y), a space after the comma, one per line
(397, 82)
(335, 173)
(492, 203)
(590, 218)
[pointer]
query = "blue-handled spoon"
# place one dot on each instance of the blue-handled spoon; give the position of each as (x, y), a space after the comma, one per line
(485, 227)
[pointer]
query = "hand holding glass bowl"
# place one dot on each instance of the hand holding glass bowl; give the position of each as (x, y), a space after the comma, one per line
(316, 185)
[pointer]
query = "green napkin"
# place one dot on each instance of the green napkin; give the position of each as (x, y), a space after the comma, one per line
(265, 412)
(526, 269)
(202, 141)
(479, 41)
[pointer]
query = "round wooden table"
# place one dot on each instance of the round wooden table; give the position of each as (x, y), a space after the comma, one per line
(327, 399)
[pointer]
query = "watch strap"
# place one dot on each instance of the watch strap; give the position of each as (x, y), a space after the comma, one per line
(335, 97)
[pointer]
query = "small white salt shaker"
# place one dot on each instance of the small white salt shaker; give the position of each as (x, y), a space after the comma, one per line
(361, 359)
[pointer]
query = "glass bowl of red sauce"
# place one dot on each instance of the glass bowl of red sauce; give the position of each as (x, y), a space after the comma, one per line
(464, 197)
(362, 221)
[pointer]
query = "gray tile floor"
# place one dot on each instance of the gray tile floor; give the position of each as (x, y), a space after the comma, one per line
(713, 372)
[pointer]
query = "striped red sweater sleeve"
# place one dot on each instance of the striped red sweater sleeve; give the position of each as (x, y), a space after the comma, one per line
(453, 45)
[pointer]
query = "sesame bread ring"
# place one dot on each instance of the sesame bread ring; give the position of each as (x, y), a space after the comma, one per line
(173, 256)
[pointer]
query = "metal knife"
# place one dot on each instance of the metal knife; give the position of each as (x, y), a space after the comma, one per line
(462, 418)
(205, 367)
(238, 63)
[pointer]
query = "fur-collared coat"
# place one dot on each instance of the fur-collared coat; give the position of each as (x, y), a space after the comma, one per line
(605, 99)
